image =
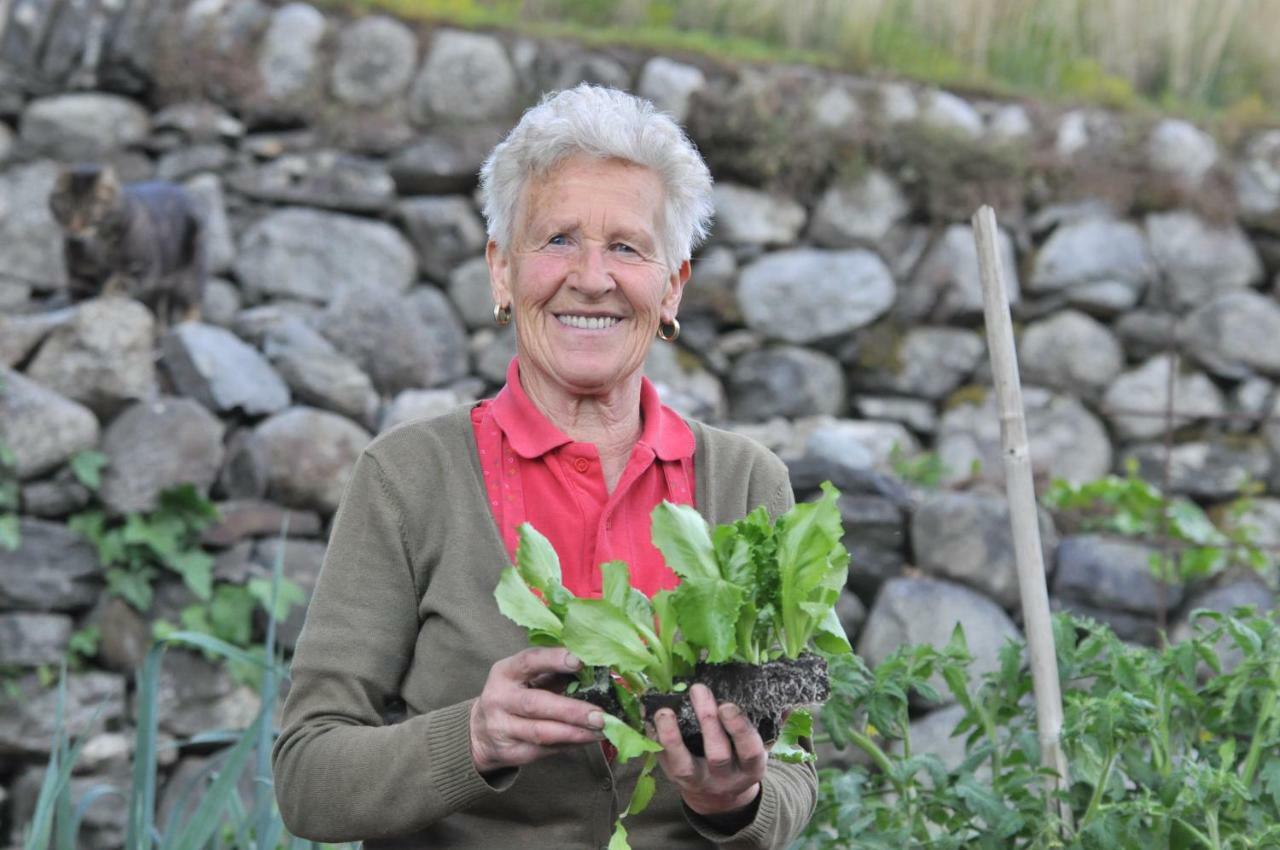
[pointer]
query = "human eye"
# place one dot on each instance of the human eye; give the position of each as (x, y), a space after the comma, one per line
(558, 239)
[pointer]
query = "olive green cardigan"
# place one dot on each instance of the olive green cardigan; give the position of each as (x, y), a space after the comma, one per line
(404, 611)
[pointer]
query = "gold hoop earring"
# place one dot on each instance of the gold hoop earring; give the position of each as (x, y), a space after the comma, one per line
(502, 314)
(668, 331)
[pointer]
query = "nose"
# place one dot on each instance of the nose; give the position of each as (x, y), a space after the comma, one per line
(591, 275)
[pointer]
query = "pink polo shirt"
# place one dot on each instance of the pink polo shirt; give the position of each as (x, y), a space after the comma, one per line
(534, 473)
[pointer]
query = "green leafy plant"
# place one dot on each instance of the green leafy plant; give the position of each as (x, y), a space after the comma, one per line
(1132, 507)
(134, 550)
(1167, 748)
(10, 530)
(750, 591)
(922, 470)
(209, 811)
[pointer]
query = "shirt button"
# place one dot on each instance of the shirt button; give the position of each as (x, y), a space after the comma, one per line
(582, 464)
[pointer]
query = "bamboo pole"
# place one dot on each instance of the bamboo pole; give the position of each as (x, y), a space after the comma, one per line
(1022, 506)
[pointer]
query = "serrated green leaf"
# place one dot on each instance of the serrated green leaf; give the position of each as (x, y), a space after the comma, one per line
(602, 635)
(628, 741)
(288, 594)
(616, 582)
(536, 559)
(707, 610)
(196, 568)
(788, 748)
(829, 635)
(680, 534)
(640, 797)
(619, 839)
(87, 467)
(521, 605)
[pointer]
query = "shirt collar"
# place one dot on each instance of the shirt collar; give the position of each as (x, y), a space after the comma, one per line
(532, 435)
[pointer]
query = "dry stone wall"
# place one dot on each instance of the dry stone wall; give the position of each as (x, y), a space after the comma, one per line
(835, 315)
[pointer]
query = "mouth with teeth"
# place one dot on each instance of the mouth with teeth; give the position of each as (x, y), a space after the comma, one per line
(587, 323)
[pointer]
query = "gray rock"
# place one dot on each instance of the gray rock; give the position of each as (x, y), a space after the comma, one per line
(242, 519)
(82, 126)
(712, 286)
(837, 110)
(471, 294)
(947, 285)
(220, 250)
(684, 385)
(1223, 599)
(325, 178)
(194, 123)
(30, 240)
(785, 381)
(1206, 470)
(186, 162)
(56, 497)
(105, 820)
(217, 369)
(327, 379)
(868, 445)
(876, 538)
(1146, 333)
(911, 611)
(278, 323)
(948, 113)
(493, 350)
(1260, 520)
(93, 701)
(290, 51)
(746, 216)
(920, 416)
(1070, 351)
(926, 362)
(897, 103)
(194, 695)
(852, 613)
(155, 445)
(805, 295)
(444, 230)
(1066, 440)
(300, 563)
(1258, 177)
(314, 256)
(308, 455)
(103, 357)
(20, 334)
(221, 302)
(1271, 430)
(1112, 573)
(1009, 124)
(375, 61)
(1235, 334)
(6, 143)
(1082, 130)
(444, 160)
(465, 78)
(1250, 398)
(1182, 150)
(1198, 260)
(1137, 400)
(1087, 253)
(967, 537)
(244, 473)
(53, 569)
(858, 214)
(1141, 629)
(669, 85)
(41, 427)
(564, 65)
(418, 404)
(29, 640)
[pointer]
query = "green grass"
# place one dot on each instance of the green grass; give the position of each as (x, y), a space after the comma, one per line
(1212, 60)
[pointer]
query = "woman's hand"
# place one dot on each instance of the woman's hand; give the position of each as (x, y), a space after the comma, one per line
(515, 721)
(728, 778)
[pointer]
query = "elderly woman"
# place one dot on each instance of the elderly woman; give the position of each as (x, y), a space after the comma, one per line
(594, 204)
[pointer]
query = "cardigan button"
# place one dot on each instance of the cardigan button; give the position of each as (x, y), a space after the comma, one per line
(606, 785)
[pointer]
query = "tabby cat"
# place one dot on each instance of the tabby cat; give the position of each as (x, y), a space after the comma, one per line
(145, 240)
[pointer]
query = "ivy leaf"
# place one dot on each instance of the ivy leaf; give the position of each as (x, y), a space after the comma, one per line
(628, 741)
(707, 610)
(787, 748)
(231, 614)
(602, 636)
(196, 568)
(87, 467)
(10, 532)
(522, 606)
(287, 595)
(680, 534)
(132, 586)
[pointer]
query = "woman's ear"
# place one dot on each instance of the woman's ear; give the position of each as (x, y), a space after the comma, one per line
(499, 274)
(675, 289)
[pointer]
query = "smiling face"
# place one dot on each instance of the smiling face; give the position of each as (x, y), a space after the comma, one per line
(585, 277)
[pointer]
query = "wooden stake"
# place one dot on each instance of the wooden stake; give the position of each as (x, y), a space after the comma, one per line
(1022, 505)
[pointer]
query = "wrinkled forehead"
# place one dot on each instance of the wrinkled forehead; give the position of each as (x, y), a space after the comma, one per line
(551, 185)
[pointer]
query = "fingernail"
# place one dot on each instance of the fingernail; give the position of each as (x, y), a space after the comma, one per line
(728, 711)
(572, 661)
(596, 719)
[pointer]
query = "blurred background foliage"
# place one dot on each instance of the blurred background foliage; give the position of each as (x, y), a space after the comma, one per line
(1209, 59)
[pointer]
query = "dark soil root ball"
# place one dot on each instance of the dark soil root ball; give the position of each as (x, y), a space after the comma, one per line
(765, 694)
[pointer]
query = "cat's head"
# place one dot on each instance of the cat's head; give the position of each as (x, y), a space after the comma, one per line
(84, 197)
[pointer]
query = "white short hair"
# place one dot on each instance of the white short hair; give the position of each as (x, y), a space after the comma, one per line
(608, 124)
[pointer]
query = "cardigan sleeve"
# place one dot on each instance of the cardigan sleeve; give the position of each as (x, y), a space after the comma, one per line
(788, 792)
(341, 772)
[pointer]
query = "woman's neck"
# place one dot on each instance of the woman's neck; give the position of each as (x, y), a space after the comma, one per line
(611, 421)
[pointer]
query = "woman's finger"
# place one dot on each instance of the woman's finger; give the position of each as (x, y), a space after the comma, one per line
(529, 664)
(716, 746)
(747, 744)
